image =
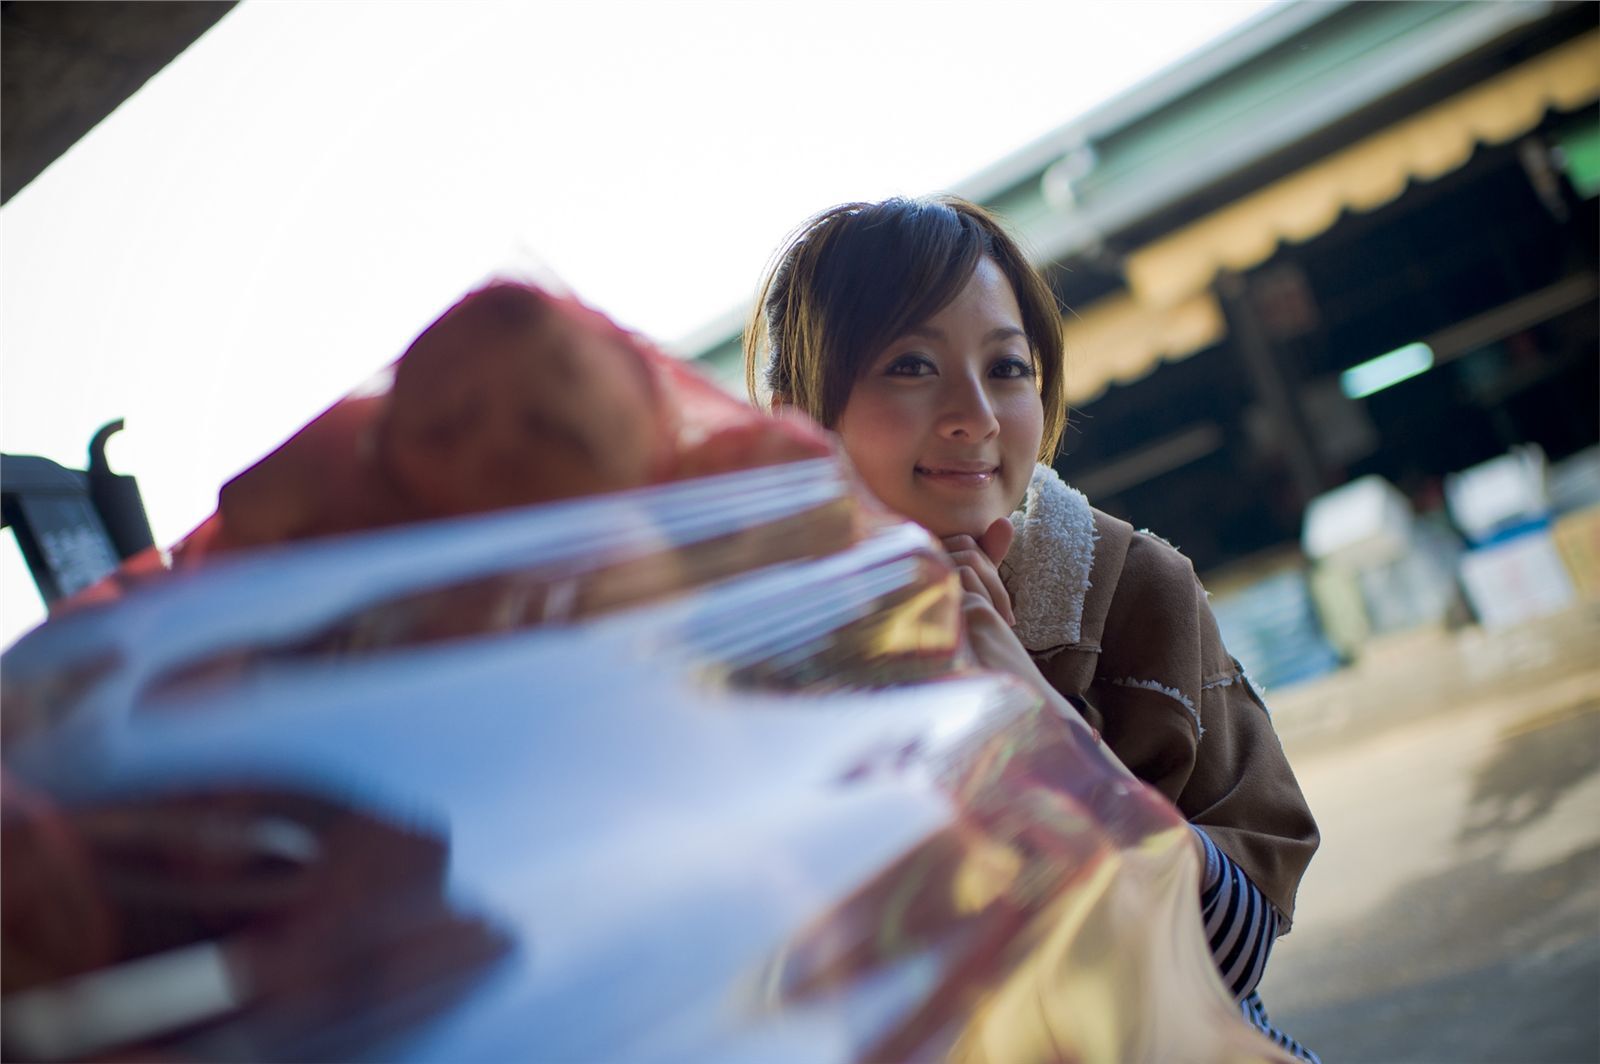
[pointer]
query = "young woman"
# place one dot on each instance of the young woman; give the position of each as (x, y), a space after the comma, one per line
(917, 331)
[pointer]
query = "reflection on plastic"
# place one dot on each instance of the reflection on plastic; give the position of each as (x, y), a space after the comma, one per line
(133, 920)
(738, 796)
(436, 762)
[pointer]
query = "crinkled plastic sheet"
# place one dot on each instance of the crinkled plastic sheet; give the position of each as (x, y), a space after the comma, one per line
(697, 770)
(569, 783)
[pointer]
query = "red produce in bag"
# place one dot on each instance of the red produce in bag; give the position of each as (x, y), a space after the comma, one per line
(514, 396)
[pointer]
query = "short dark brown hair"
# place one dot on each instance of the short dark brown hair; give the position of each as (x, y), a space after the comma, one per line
(852, 279)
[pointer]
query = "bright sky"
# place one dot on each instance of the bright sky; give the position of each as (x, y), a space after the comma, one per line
(275, 215)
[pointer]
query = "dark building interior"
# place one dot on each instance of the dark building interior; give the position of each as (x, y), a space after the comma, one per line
(1492, 266)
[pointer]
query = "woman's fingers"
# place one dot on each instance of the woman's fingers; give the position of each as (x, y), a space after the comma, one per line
(986, 580)
(994, 644)
(975, 603)
(983, 621)
(970, 585)
(997, 539)
(964, 551)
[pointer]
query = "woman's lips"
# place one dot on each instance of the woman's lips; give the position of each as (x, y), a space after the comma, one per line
(959, 474)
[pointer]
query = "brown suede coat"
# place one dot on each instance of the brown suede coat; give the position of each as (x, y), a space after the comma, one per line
(1178, 710)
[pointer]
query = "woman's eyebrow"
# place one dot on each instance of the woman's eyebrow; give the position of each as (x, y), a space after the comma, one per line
(933, 332)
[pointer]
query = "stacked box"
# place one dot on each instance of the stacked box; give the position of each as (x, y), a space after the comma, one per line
(1577, 540)
(1271, 627)
(1379, 568)
(1517, 579)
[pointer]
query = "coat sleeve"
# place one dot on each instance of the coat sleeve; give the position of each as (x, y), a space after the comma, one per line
(1181, 714)
(1243, 791)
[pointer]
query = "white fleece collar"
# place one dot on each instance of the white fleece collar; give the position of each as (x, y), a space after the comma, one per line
(1047, 569)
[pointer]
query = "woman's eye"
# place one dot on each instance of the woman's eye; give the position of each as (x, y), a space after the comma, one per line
(910, 366)
(1012, 368)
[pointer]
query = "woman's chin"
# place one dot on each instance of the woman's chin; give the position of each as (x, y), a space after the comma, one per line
(946, 525)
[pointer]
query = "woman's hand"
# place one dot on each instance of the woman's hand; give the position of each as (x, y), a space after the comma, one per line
(977, 559)
(997, 648)
(986, 608)
(995, 644)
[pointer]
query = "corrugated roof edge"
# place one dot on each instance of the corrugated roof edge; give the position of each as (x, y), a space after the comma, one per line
(1187, 75)
(1272, 29)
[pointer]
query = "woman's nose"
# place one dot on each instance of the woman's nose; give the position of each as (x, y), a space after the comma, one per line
(969, 413)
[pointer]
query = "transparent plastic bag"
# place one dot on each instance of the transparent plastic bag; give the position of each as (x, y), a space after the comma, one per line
(694, 770)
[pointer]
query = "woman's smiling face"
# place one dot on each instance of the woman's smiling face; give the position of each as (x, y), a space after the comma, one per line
(945, 424)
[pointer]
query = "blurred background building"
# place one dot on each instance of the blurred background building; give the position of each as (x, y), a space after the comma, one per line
(1330, 290)
(1351, 246)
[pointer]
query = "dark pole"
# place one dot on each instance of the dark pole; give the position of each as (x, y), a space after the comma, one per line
(1271, 387)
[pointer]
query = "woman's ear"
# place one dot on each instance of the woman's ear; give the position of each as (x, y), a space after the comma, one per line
(779, 404)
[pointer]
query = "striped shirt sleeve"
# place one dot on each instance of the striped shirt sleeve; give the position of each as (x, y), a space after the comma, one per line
(1241, 924)
(1256, 1015)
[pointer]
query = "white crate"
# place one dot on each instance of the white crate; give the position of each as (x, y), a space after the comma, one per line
(1516, 580)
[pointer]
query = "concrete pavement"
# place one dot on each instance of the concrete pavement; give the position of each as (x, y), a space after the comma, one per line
(1453, 913)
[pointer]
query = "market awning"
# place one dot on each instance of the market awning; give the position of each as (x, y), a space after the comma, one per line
(1169, 311)
(1367, 175)
(1116, 340)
